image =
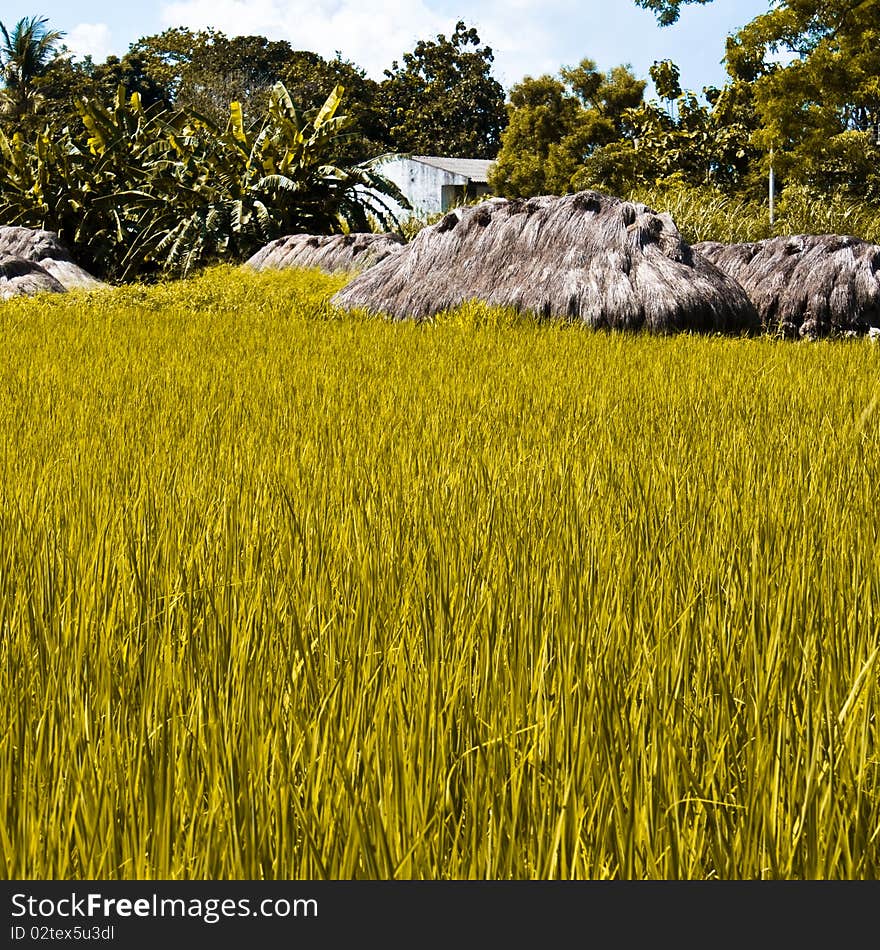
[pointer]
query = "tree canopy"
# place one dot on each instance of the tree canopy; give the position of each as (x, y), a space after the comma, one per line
(814, 66)
(443, 99)
(205, 69)
(556, 125)
(667, 11)
(25, 53)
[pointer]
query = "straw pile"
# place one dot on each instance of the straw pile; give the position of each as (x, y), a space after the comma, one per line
(586, 257)
(19, 278)
(333, 253)
(807, 285)
(44, 248)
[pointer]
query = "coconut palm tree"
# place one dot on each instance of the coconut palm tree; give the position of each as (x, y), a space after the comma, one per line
(25, 52)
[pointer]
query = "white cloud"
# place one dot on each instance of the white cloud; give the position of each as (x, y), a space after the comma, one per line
(90, 39)
(374, 34)
(525, 36)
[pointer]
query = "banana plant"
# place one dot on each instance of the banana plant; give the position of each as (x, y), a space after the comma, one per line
(255, 185)
(137, 191)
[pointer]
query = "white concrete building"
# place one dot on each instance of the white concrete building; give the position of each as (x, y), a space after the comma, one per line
(433, 184)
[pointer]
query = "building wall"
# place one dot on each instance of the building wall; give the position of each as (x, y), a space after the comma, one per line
(430, 190)
(453, 196)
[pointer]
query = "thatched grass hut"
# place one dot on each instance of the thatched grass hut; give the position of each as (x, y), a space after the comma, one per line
(20, 278)
(806, 285)
(585, 257)
(44, 248)
(334, 253)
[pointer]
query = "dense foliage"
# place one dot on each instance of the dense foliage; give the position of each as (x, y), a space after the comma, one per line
(443, 99)
(820, 114)
(556, 126)
(138, 189)
(802, 96)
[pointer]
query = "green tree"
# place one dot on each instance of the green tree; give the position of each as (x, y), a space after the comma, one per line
(25, 54)
(667, 11)
(689, 141)
(444, 100)
(556, 126)
(240, 68)
(64, 80)
(820, 112)
(307, 76)
(136, 190)
(67, 79)
(540, 115)
(133, 74)
(203, 70)
(667, 80)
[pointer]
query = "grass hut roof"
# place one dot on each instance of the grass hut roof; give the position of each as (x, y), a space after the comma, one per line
(19, 278)
(806, 285)
(334, 252)
(587, 257)
(44, 248)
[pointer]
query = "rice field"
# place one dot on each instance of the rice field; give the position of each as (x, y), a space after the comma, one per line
(291, 594)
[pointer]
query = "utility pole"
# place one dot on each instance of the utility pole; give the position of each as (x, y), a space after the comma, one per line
(772, 191)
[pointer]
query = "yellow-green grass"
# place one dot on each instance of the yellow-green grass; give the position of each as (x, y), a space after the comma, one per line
(706, 214)
(286, 593)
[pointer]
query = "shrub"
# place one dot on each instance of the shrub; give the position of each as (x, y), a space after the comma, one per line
(139, 190)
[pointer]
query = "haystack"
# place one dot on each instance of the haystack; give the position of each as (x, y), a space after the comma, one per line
(807, 285)
(586, 257)
(20, 278)
(44, 248)
(333, 253)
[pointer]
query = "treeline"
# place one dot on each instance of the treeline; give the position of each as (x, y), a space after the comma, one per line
(441, 99)
(803, 94)
(195, 146)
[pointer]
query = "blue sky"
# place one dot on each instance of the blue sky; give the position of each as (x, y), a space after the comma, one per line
(529, 37)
